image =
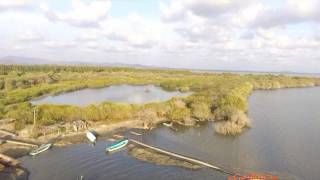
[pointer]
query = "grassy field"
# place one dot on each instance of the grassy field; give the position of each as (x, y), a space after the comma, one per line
(218, 97)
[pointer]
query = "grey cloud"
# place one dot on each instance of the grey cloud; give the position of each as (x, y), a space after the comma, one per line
(116, 36)
(144, 45)
(58, 44)
(204, 8)
(83, 14)
(207, 33)
(287, 14)
(274, 18)
(209, 9)
(74, 22)
(247, 35)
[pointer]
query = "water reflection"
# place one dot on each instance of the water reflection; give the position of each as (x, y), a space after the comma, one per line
(117, 93)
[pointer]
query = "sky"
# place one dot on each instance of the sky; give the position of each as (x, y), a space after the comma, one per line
(245, 35)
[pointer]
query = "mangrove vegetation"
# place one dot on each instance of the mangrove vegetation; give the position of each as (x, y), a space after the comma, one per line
(219, 97)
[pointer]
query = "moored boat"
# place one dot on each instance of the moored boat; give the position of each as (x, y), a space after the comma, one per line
(135, 133)
(167, 124)
(41, 149)
(92, 138)
(117, 145)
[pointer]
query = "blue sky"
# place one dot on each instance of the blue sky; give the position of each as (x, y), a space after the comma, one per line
(260, 35)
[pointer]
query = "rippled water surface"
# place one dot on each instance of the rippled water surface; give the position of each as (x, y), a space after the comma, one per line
(115, 93)
(284, 140)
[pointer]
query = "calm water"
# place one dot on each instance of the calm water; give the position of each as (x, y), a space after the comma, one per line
(284, 140)
(116, 93)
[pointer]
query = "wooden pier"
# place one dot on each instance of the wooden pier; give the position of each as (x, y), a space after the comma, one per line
(185, 158)
(21, 143)
(6, 132)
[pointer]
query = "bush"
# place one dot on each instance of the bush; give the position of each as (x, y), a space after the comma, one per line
(234, 124)
(92, 113)
(200, 110)
(22, 113)
(10, 84)
(116, 112)
(50, 114)
(179, 114)
(2, 84)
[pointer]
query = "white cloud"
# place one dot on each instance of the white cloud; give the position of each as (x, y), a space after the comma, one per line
(14, 4)
(30, 36)
(89, 35)
(134, 30)
(81, 13)
(216, 34)
(58, 44)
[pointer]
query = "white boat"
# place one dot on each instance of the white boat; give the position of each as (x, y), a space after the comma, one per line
(135, 133)
(41, 149)
(117, 145)
(92, 138)
(167, 124)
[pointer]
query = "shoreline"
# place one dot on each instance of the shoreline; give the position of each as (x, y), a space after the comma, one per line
(72, 138)
(18, 151)
(104, 131)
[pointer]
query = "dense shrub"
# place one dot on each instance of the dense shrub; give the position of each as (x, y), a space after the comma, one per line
(200, 110)
(23, 113)
(222, 97)
(235, 122)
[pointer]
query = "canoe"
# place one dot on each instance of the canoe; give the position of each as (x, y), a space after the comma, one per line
(117, 145)
(41, 149)
(118, 136)
(91, 137)
(167, 124)
(135, 133)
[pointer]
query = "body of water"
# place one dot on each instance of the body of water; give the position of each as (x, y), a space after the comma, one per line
(116, 93)
(283, 141)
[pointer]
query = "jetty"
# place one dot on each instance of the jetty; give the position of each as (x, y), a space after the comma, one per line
(13, 141)
(21, 143)
(6, 132)
(183, 157)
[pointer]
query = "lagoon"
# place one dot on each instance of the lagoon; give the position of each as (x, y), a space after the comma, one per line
(283, 141)
(117, 93)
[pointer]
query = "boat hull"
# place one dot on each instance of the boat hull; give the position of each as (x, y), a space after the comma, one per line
(167, 124)
(92, 138)
(40, 149)
(117, 146)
